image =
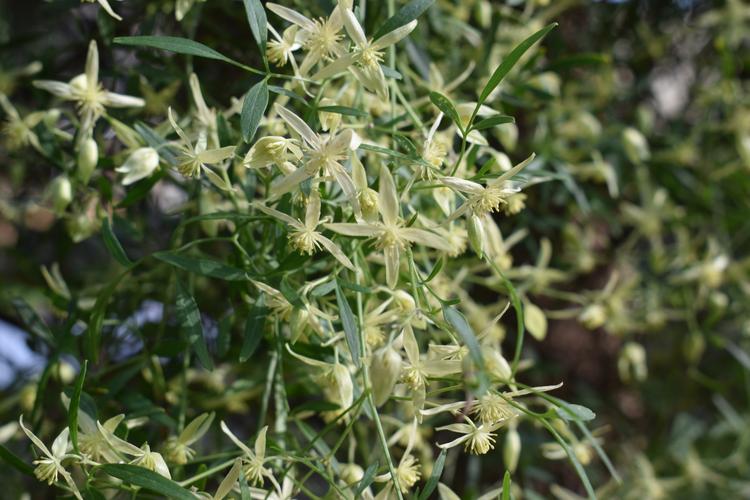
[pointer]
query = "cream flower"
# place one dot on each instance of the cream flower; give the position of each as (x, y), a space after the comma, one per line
(253, 460)
(19, 131)
(87, 92)
(50, 466)
(364, 61)
(192, 160)
(391, 235)
(177, 449)
(140, 164)
(320, 38)
(304, 236)
(478, 440)
(485, 199)
(320, 154)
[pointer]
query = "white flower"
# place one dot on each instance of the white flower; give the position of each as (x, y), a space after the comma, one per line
(88, 93)
(19, 131)
(364, 61)
(140, 164)
(273, 150)
(485, 199)
(193, 159)
(477, 439)
(391, 235)
(178, 448)
(304, 236)
(281, 50)
(50, 466)
(320, 154)
(319, 37)
(152, 460)
(253, 460)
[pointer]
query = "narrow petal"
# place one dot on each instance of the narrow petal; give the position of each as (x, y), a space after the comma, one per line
(92, 66)
(299, 126)
(334, 250)
(410, 345)
(462, 185)
(108, 9)
(513, 171)
(236, 440)
(426, 238)
(37, 442)
(353, 28)
(394, 36)
(178, 129)
(260, 443)
(216, 155)
(351, 229)
(114, 100)
(388, 197)
(60, 89)
(278, 215)
(343, 179)
(334, 68)
(392, 260)
(290, 15)
(289, 182)
(312, 211)
(60, 444)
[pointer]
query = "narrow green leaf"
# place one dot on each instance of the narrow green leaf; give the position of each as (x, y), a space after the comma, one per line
(139, 190)
(367, 479)
(75, 403)
(405, 15)
(510, 61)
(506, 486)
(458, 321)
(93, 334)
(437, 471)
(174, 44)
(202, 266)
(147, 479)
(192, 327)
(253, 109)
(113, 244)
(574, 412)
(344, 110)
(14, 461)
(349, 323)
(256, 18)
(254, 325)
(493, 121)
(446, 106)
(435, 270)
(32, 321)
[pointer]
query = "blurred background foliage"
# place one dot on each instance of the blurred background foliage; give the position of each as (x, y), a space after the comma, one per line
(638, 111)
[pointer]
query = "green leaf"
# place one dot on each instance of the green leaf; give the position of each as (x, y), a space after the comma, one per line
(113, 244)
(437, 471)
(33, 322)
(253, 109)
(405, 15)
(139, 190)
(458, 321)
(446, 106)
(14, 461)
(147, 479)
(510, 61)
(93, 334)
(506, 486)
(574, 412)
(75, 403)
(435, 270)
(367, 479)
(254, 325)
(256, 18)
(344, 110)
(174, 44)
(349, 323)
(493, 121)
(190, 321)
(202, 266)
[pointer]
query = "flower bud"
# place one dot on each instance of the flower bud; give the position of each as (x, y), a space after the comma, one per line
(351, 473)
(368, 200)
(512, 449)
(632, 363)
(693, 346)
(593, 316)
(385, 369)
(476, 235)
(61, 192)
(140, 164)
(496, 364)
(328, 121)
(636, 146)
(88, 157)
(743, 148)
